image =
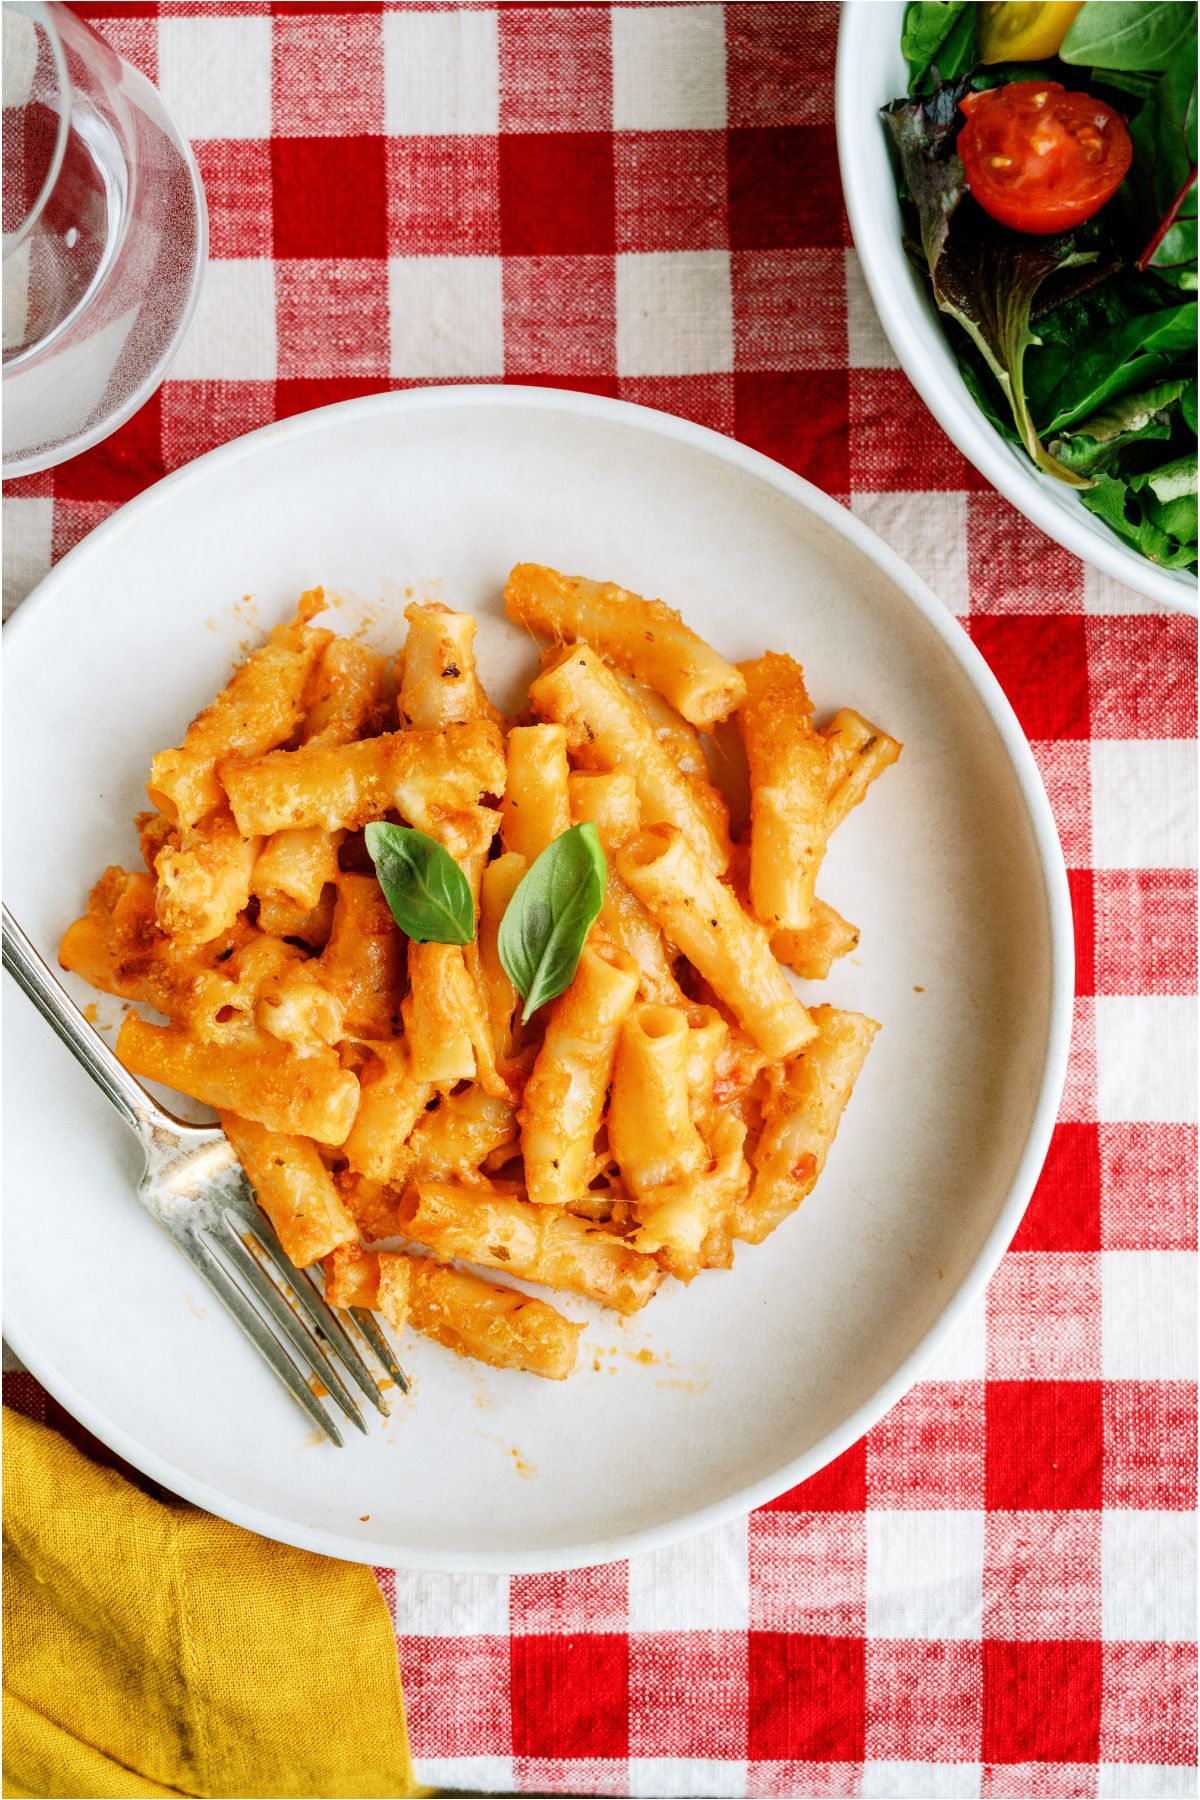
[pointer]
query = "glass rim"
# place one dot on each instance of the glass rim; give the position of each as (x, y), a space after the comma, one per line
(40, 12)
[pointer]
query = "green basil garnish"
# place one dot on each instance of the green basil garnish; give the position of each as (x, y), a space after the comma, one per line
(424, 886)
(554, 907)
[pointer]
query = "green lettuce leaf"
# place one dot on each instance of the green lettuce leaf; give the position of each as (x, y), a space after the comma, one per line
(984, 277)
(940, 32)
(1067, 382)
(1129, 34)
(1095, 444)
(1161, 184)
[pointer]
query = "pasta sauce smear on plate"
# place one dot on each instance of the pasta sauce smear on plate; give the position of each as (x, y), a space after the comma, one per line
(581, 1063)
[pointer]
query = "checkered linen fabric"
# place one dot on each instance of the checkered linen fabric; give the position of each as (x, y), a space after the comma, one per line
(992, 1593)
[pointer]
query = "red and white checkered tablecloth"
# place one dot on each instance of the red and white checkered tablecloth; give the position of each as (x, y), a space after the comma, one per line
(992, 1593)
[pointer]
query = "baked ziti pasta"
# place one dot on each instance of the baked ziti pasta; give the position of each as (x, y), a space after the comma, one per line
(405, 1121)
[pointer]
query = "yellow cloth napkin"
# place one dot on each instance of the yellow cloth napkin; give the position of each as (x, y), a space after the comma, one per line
(151, 1649)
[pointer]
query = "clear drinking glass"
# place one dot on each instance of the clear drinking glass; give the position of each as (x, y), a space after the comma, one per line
(105, 237)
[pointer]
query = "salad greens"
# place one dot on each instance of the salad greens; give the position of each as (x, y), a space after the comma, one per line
(1079, 346)
(941, 32)
(1129, 34)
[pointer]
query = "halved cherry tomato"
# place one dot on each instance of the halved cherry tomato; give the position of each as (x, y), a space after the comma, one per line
(1022, 30)
(1040, 158)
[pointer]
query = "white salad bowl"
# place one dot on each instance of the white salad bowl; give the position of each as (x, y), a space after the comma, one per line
(718, 1395)
(871, 71)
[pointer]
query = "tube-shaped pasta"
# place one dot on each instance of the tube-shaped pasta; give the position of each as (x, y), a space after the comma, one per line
(362, 965)
(628, 924)
(253, 1076)
(681, 740)
(204, 881)
(608, 730)
(609, 802)
(435, 1021)
(808, 1097)
(373, 1205)
(644, 637)
(730, 949)
(294, 1189)
(535, 1243)
(456, 1135)
(687, 1224)
(352, 1277)
(650, 1130)
(448, 1036)
(155, 833)
(119, 948)
(342, 697)
(496, 1325)
(293, 867)
(564, 1096)
(535, 809)
(476, 1318)
(499, 883)
(423, 775)
(811, 953)
(261, 706)
(787, 762)
(857, 753)
(707, 1036)
(439, 685)
(393, 1100)
(270, 986)
(394, 1299)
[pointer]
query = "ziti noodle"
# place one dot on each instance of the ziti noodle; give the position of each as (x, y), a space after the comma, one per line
(399, 1123)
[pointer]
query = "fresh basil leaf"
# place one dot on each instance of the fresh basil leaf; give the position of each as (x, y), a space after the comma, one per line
(549, 916)
(1128, 34)
(1187, 405)
(941, 32)
(1067, 383)
(428, 894)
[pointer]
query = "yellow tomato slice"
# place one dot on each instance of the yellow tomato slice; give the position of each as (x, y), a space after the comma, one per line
(1022, 30)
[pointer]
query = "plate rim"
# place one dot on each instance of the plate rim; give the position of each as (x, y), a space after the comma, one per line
(1051, 861)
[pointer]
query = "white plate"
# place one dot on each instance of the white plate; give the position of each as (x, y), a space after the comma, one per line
(870, 72)
(752, 1379)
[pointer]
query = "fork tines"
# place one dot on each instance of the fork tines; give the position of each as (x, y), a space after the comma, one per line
(289, 1313)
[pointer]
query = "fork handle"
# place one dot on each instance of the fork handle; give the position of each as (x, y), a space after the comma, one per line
(86, 1045)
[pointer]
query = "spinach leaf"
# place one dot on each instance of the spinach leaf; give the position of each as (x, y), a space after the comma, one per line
(1162, 181)
(554, 907)
(1068, 382)
(1172, 481)
(984, 277)
(941, 32)
(1095, 444)
(1114, 501)
(428, 894)
(1129, 34)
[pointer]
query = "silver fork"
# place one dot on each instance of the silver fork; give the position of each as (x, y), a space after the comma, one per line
(194, 1186)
